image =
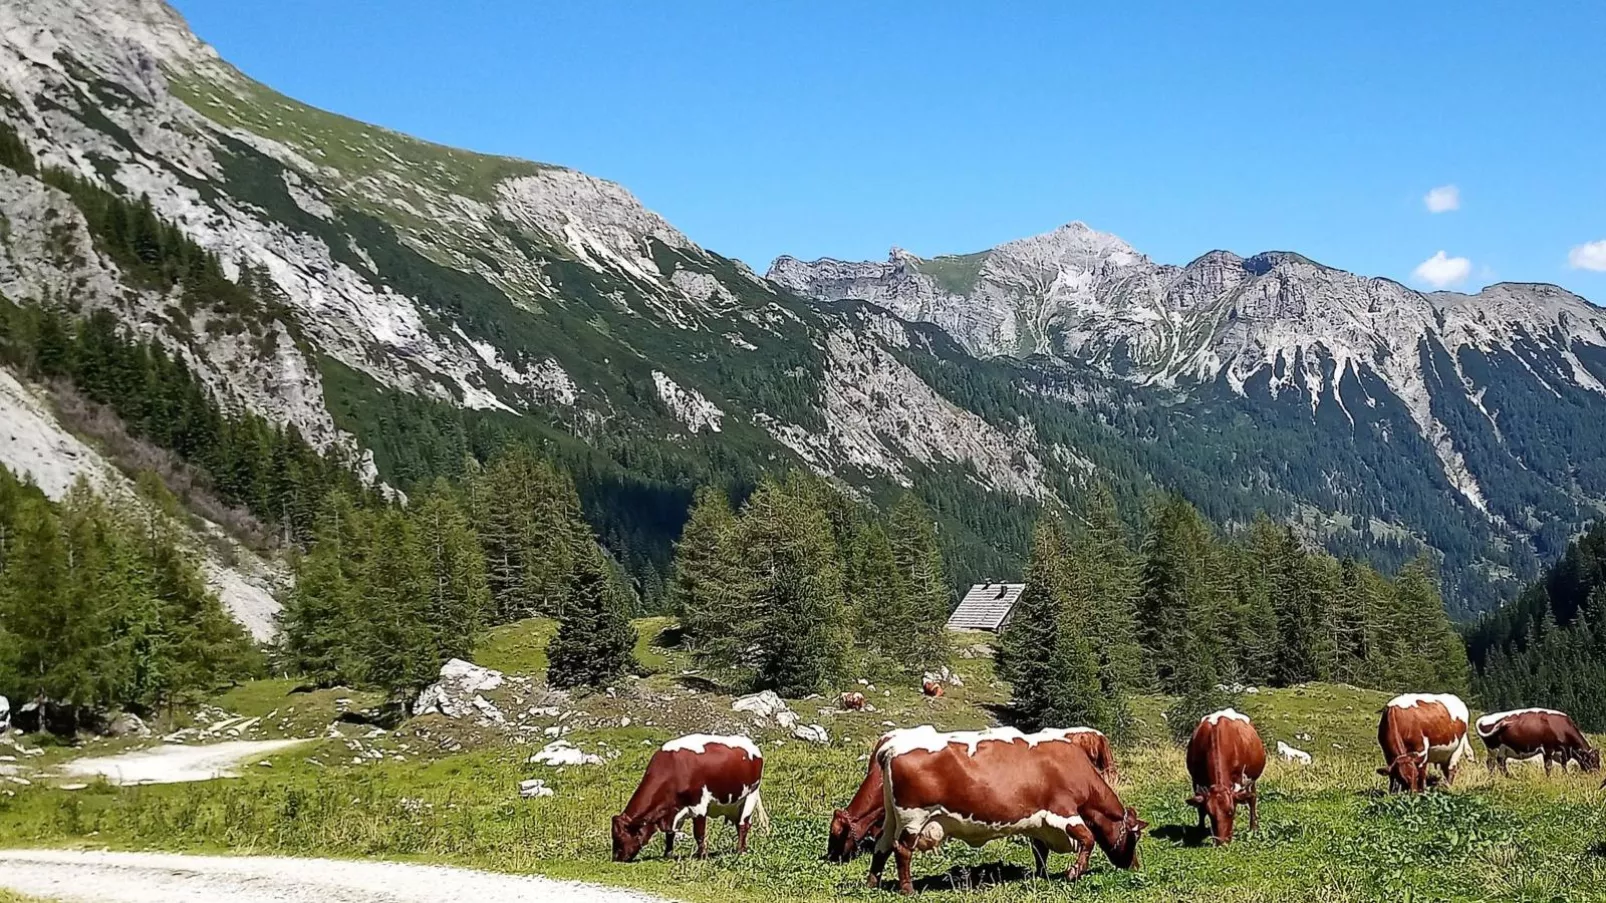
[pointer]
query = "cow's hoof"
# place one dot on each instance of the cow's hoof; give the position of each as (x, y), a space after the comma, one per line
(872, 881)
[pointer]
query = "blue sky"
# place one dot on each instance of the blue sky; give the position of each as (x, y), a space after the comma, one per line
(843, 128)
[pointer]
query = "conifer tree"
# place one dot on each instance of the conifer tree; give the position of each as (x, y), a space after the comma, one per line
(595, 644)
(920, 565)
(882, 603)
(1052, 668)
(707, 590)
(320, 620)
(1103, 575)
(794, 641)
(1181, 599)
(393, 610)
(459, 597)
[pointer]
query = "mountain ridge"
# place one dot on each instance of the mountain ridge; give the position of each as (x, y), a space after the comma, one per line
(429, 303)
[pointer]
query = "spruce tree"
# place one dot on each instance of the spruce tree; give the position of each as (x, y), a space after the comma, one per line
(707, 589)
(459, 597)
(1182, 597)
(1103, 575)
(595, 643)
(794, 641)
(919, 560)
(393, 610)
(320, 622)
(882, 603)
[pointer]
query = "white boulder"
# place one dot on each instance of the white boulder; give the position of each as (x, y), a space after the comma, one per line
(535, 788)
(456, 693)
(763, 706)
(813, 733)
(127, 724)
(767, 708)
(945, 676)
(5, 714)
(560, 753)
(1290, 754)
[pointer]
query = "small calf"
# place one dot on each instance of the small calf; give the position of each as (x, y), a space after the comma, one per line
(931, 688)
(853, 702)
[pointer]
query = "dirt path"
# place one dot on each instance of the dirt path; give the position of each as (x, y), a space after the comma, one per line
(175, 764)
(99, 877)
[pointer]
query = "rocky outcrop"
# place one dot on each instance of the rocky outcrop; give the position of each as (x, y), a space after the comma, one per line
(457, 693)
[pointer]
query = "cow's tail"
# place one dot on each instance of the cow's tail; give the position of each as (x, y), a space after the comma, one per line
(761, 816)
(889, 810)
(1486, 726)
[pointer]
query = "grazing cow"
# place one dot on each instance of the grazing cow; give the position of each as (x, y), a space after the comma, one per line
(853, 702)
(1225, 760)
(1420, 729)
(859, 825)
(931, 688)
(1531, 733)
(978, 786)
(697, 776)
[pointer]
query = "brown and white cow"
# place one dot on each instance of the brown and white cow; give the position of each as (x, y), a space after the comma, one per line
(931, 688)
(859, 825)
(976, 786)
(852, 702)
(697, 776)
(1225, 760)
(1419, 729)
(1533, 733)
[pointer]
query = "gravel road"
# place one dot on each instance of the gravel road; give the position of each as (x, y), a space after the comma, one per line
(175, 764)
(73, 876)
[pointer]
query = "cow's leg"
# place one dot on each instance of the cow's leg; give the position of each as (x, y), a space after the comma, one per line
(1254, 807)
(741, 836)
(904, 852)
(1505, 768)
(699, 831)
(878, 861)
(1083, 838)
(669, 843)
(1545, 754)
(1039, 858)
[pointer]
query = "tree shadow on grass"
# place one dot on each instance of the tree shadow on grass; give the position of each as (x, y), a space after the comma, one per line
(1183, 835)
(971, 877)
(699, 684)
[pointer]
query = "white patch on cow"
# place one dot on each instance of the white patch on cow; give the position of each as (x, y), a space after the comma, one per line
(1503, 753)
(735, 811)
(1451, 703)
(1489, 723)
(935, 826)
(928, 739)
(699, 743)
(1215, 717)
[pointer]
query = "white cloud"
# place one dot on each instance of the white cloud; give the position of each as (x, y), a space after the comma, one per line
(1443, 199)
(1591, 255)
(1442, 270)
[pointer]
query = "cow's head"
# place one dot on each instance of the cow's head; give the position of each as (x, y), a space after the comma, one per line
(1123, 847)
(847, 835)
(629, 837)
(1407, 773)
(1221, 804)
(1588, 759)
